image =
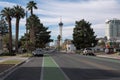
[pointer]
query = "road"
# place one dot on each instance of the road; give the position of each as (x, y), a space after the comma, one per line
(60, 66)
(30, 70)
(78, 67)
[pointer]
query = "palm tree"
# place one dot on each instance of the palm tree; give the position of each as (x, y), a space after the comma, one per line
(32, 22)
(8, 14)
(18, 14)
(59, 38)
(31, 5)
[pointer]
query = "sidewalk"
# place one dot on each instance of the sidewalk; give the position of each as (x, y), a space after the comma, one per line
(6, 68)
(2, 59)
(113, 56)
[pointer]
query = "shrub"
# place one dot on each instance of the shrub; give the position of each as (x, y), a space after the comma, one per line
(7, 54)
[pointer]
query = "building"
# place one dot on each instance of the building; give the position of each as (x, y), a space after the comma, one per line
(56, 43)
(113, 33)
(113, 29)
(60, 29)
(69, 46)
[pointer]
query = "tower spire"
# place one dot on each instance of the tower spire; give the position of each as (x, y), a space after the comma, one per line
(60, 18)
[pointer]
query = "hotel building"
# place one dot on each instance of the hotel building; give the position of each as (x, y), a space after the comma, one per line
(113, 29)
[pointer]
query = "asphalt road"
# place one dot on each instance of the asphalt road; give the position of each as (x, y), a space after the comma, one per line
(30, 70)
(72, 66)
(78, 67)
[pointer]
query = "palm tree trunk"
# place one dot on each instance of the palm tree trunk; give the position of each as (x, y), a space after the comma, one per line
(10, 36)
(17, 34)
(32, 11)
(32, 35)
(27, 38)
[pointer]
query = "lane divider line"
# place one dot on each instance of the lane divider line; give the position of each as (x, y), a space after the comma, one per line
(42, 69)
(50, 70)
(67, 78)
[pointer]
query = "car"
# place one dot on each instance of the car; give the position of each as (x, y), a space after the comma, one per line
(38, 52)
(90, 54)
(88, 51)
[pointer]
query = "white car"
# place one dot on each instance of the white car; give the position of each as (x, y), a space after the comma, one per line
(88, 51)
(38, 52)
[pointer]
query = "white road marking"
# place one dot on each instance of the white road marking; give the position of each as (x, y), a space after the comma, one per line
(42, 69)
(67, 78)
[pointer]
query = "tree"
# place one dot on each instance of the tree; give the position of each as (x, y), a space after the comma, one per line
(8, 14)
(18, 14)
(32, 22)
(39, 35)
(42, 36)
(3, 27)
(101, 43)
(3, 32)
(22, 41)
(83, 35)
(31, 5)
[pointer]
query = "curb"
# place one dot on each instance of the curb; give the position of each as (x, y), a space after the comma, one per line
(5, 73)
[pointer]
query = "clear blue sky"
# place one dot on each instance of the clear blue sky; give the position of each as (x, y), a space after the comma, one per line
(49, 12)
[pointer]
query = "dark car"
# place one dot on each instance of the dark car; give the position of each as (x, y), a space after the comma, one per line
(90, 54)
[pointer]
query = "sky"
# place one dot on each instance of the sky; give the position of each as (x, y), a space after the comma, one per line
(50, 11)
